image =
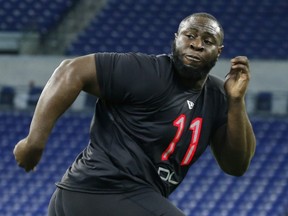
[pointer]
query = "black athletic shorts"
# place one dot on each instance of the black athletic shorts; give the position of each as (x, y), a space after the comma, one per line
(143, 202)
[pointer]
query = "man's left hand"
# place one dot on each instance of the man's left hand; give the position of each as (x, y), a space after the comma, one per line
(237, 79)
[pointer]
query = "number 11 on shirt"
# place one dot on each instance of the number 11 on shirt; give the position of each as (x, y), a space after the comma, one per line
(195, 127)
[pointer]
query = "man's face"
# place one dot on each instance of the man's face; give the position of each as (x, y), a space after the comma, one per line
(196, 47)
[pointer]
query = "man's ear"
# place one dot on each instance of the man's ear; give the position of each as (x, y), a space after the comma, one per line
(176, 35)
(220, 50)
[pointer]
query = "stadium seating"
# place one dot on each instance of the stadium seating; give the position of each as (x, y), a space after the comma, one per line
(29, 194)
(253, 28)
(29, 15)
(206, 190)
(149, 26)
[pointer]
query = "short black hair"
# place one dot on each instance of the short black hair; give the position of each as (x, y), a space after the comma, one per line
(206, 15)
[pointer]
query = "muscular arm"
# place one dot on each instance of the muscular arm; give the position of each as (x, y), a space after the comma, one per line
(234, 143)
(67, 81)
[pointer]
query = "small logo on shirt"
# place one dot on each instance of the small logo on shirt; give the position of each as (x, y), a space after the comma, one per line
(190, 104)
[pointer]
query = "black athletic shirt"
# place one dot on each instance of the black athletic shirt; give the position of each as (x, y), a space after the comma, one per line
(147, 129)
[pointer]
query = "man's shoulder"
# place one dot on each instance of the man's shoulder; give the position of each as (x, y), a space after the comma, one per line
(138, 56)
(154, 57)
(215, 83)
(157, 61)
(215, 80)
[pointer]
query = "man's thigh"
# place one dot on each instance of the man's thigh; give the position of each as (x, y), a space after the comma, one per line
(144, 202)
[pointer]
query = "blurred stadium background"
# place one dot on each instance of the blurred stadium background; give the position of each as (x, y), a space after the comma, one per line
(36, 35)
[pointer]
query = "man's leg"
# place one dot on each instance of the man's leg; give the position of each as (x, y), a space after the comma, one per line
(144, 202)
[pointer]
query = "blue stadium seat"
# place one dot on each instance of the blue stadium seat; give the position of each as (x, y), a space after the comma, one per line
(264, 102)
(7, 95)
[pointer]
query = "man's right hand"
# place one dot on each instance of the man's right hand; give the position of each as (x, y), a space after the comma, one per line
(27, 156)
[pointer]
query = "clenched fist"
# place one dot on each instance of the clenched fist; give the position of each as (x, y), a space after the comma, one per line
(27, 156)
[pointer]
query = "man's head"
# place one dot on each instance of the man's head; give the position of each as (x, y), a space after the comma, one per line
(197, 45)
